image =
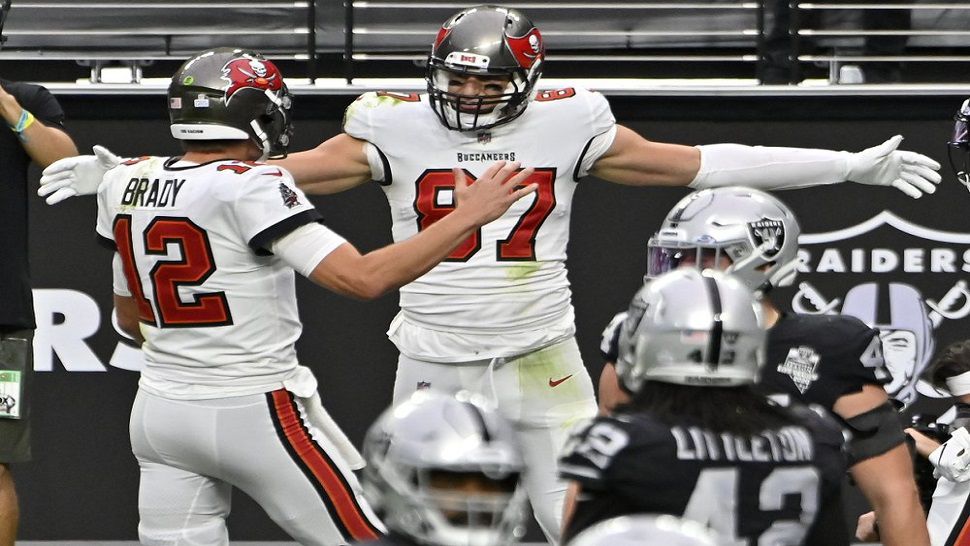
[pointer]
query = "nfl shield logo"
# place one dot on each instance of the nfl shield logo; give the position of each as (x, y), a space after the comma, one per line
(767, 235)
(423, 385)
(484, 138)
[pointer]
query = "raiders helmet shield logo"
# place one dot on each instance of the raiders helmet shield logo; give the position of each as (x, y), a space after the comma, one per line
(767, 236)
(249, 73)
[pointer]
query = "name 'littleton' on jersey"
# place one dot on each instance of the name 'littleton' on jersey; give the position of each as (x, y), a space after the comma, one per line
(142, 192)
(788, 444)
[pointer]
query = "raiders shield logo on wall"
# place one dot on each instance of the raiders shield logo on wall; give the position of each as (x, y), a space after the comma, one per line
(767, 235)
(908, 281)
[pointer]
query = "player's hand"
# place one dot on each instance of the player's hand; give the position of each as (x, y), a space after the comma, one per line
(884, 165)
(952, 459)
(924, 444)
(493, 192)
(80, 175)
(865, 529)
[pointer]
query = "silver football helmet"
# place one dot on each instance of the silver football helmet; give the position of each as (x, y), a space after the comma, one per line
(645, 530)
(445, 470)
(484, 41)
(744, 231)
(691, 327)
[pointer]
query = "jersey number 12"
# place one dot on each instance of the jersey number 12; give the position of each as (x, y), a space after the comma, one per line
(195, 265)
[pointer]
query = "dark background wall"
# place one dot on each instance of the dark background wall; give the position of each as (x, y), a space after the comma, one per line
(82, 483)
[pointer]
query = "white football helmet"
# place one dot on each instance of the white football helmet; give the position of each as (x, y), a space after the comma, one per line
(691, 327)
(445, 470)
(645, 530)
(751, 229)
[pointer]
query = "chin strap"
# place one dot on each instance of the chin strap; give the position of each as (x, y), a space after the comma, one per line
(263, 140)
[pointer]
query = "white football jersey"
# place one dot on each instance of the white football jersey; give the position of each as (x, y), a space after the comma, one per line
(217, 310)
(504, 291)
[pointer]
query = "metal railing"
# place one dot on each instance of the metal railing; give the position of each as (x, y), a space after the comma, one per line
(138, 33)
(627, 37)
(915, 43)
(725, 38)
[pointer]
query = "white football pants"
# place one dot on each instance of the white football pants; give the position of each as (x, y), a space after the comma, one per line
(543, 393)
(273, 446)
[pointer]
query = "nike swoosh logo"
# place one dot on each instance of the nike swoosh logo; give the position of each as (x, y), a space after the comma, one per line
(557, 382)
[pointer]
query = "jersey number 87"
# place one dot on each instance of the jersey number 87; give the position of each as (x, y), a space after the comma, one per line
(519, 246)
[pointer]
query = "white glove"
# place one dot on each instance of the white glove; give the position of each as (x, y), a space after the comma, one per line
(80, 175)
(952, 459)
(883, 165)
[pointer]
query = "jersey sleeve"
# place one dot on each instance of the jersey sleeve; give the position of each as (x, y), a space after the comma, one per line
(856, 360)
(106, 216)
(601, 128)
(268, 205)
(357, 116)
(610, 339)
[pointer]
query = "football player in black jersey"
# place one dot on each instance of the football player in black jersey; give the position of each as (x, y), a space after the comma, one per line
(445, 470)
(697, 441)
(834, 361)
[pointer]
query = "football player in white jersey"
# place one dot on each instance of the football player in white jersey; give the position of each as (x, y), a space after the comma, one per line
(206, 245)
(496, 315)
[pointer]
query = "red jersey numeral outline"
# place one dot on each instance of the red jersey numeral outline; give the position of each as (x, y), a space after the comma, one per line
(518, 246)
(403, 97)
(555, 94)
(192, 269)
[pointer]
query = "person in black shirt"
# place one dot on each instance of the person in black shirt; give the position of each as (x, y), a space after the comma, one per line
(35, 134)
(697, 441)
(833, 361)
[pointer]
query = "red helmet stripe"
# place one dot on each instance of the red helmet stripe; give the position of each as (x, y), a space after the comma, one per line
(443, 33)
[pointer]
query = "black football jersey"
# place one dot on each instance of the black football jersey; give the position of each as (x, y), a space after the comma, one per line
(768, 488)
(814, 358)
(819, 358)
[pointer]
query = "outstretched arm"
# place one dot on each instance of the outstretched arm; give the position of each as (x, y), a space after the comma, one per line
(337, 164)
(633, 160)
(370, 275)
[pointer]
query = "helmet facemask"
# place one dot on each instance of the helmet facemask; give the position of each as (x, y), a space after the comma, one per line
(477, 112)
(468, 507)
(958, 147)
